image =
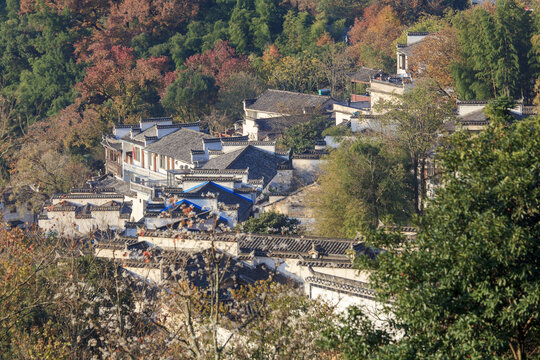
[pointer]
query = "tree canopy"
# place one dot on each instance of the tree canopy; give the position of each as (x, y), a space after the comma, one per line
(467, 286)
(496, 51)
(363, 182)
(417, 120)
(271, 223)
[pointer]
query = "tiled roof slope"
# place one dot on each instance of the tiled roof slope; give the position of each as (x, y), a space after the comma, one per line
(261, 164)
(226, 197)
(179, 144)
(409, 49)
(268, 244)
(288, 246)
(148, 132)
(364, 74)
(274, 127)
(287, 102)
(475, 116)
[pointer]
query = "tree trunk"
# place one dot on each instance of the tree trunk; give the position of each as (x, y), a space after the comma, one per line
(422, 187)
(416, 184)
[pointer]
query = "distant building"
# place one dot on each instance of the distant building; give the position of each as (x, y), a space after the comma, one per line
(471, 114)
(276, 110)
(84, 211)
(170, 166)
(346, 111)
(294, 204)
(17, 208)
(322, 266)
(405, 51)
(359, 82)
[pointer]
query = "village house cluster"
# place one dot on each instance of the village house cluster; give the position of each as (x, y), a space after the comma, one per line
(171, 187)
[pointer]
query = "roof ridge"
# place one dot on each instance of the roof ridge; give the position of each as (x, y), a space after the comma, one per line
(297, 93)
(157, 119)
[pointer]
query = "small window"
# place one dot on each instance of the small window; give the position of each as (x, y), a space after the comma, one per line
(162, 161)
(402, 61)
(137, 154)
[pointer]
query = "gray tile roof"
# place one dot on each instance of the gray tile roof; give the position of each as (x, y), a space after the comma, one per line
(287, 102)
(364, 74)
(273, 128)
(311, 154)
(139, 138)
(478, 117)
(261, 164)
(408, 50)
(264, 245)
(157, 119)
(152, 132)
(111, 143)
(475, 116)
(179, 144)
(226, 197)
(328, 249)
(340, 284)
(110, 182)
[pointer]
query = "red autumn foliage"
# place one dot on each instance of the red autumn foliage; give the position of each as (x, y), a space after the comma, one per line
(220, 62)
(116, 72)
(153, 16)
(272, 53)
(168, 79)
(325, 39)
(117, 22)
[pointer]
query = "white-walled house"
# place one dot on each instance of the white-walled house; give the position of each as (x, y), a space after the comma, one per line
(276, 110)
(471, 113)
(323, 266)
(84, 211)
(405, 51)
(160, 161)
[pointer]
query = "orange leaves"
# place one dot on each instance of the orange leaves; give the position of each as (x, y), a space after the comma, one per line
(432, 58)
(153, 16)
(373, 36)
(325, 39)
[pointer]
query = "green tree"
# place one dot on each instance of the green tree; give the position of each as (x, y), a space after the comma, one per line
(271, 223)
(238, 87)
(499, 109)
(37, 63)
(16, 49)
(296, 35)
(468, 285)
(302, 137)
(299, 73)
(266, 25)
(419, 116)
(353, 335)
(497, 48)
(240, 33)
(362, 183)
(190, 95)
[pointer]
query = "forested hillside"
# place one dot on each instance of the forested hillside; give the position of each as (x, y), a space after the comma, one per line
(70, 69)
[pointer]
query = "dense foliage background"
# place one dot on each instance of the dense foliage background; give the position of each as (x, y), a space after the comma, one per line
(70, 69)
